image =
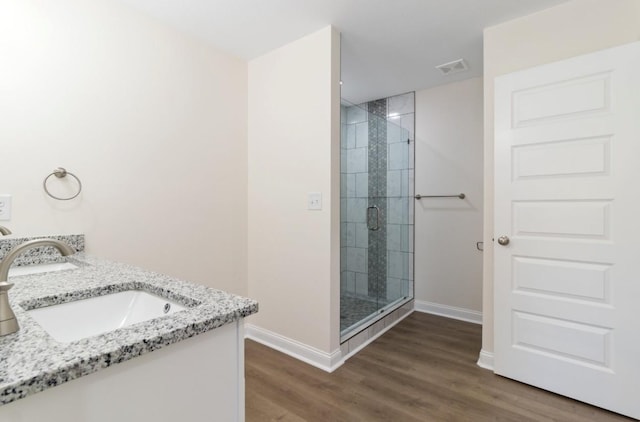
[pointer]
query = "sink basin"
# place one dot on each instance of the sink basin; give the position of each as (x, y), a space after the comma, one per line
(41, 268)
(76, 320)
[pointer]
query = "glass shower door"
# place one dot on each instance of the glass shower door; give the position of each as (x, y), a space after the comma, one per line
(400, 207)
(376, 216)
(389, 217)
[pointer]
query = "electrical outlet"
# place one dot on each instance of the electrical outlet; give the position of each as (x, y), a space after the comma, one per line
(5, 207)
(315, 201)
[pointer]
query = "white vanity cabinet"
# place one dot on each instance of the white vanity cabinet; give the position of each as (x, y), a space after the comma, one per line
(197, 379)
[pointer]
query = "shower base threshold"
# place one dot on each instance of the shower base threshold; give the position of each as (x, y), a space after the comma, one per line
(379, 315)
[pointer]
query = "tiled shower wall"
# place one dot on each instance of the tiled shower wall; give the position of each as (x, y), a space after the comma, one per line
(354, 191)
(364, 252)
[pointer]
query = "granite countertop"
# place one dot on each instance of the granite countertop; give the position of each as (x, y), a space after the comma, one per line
(32, 361)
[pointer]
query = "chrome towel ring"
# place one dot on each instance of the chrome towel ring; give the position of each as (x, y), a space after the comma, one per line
(61, 172)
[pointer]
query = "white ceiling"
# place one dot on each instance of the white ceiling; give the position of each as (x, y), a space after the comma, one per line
(388, 46)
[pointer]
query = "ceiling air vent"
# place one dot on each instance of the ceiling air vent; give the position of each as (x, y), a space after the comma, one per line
(453, 67)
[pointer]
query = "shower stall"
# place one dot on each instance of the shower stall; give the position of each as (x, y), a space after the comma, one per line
(377, 206)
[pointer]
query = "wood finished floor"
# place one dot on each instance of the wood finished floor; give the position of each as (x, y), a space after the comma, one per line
(423, 369)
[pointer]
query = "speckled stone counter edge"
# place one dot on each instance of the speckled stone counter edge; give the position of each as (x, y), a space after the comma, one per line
(43, 255)
(32, 361)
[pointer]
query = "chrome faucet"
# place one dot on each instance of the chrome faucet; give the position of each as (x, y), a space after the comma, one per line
(8, 321)
(4, 231)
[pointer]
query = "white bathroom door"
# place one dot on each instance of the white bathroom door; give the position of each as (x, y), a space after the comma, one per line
(567, 197)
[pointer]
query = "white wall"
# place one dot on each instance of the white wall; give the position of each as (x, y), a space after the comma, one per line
(448, 267)
(571, 29)
(294, 147)
(152, 121)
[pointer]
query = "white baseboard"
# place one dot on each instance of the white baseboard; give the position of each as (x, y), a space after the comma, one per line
(462, 314)
(485, 360)
(326, 361)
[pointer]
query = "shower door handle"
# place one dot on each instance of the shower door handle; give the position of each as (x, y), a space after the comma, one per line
(377, 210)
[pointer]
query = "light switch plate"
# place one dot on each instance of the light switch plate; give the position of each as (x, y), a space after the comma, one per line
(5, 207)
(315, 201)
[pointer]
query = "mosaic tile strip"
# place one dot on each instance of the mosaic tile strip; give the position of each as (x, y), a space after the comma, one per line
(377, 263)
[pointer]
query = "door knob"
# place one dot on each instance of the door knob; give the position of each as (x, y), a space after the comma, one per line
(503, 240)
